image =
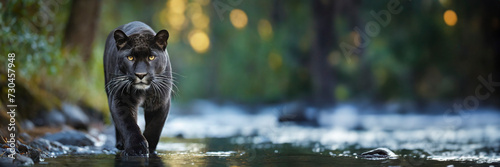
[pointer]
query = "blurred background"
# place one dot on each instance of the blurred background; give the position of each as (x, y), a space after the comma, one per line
(299, 56)
(331, 77)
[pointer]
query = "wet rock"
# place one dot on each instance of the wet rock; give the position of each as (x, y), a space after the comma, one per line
(42, 144)
(72, 137)
(35, 155)
(27, 125)
(298, 113)
(25, 137)
(110, 140)
(43, 148)
(378, 154)
(22, 160)
(22, 148)
(75, 116)
(31, 152)
(5, 161)
(53, 118)
(94, 116)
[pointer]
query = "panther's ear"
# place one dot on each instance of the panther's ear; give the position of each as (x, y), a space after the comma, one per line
(161, 39)
(120, 39)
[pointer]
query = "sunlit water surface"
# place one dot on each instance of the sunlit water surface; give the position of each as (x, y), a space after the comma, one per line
(220, 152)
(227, 136)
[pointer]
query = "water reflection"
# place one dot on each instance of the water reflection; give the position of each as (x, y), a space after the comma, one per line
(138, 161)
(222, 152)
(226, 137)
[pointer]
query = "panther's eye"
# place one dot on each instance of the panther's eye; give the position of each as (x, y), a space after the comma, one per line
(152, 57)
(130, 58)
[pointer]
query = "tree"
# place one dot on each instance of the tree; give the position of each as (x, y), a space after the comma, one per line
(81, 27)
(320, 71)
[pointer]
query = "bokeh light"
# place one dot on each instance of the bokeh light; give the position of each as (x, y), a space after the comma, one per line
(200, 20)
(193, 8)
(275, 60)
(199, 41)
(265, 29)
(450, 18)
(176, 20)
(203, 2)
(334, 58)
(172, 17)
(445, 3)
(176, 6)
(356, 38)
(341, 92)
(238, 18)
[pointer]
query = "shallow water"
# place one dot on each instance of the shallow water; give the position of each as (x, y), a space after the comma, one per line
(272, 160)
(220, 152)
(229, 136)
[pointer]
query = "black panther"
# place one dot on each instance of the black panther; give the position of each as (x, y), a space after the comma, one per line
(137, 74)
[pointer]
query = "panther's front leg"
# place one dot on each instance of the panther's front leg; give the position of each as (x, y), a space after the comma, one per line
(124, 115)
(155, 119)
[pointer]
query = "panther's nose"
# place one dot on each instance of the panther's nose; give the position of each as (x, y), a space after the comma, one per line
(141, 75)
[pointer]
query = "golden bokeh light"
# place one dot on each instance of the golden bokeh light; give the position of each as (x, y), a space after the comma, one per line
(176, 6)
(275, 61)
(450, 17)
(163, 16)
(265, 29)
(172, 16)
(193, 8)
(334, 58)
(200, 20)
(356, 38)
(238, 18)
(176, 20)
(203, 2)
(199, 41)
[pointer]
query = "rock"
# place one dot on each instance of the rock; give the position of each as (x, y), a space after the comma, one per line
(25, 137)
(5, 161)
(42, 144)
(94, 115)
(72, 137)
(53, 118)
(24, 149)
(22, 160)
(110, 141)
(298, 113)
(35, 155)
(43, 147)
(378, 154)
(27, 125)
(75, 116)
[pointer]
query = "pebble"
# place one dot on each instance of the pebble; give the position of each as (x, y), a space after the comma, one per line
(379, 153)
(22, 160)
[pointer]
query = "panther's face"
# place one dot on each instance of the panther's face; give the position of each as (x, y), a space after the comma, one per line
(142, 58)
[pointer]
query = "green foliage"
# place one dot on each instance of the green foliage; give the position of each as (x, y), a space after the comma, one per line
(31, 30)
(34, 30)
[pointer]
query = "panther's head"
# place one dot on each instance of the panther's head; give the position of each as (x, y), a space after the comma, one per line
(142, 58)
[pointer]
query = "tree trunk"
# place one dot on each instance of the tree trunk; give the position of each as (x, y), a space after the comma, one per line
(324, 38)
(81, 27)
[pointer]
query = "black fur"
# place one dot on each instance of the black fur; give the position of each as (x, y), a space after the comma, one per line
(137, 82)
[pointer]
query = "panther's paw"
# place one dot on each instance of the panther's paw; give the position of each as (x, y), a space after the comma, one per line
(137, 149)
